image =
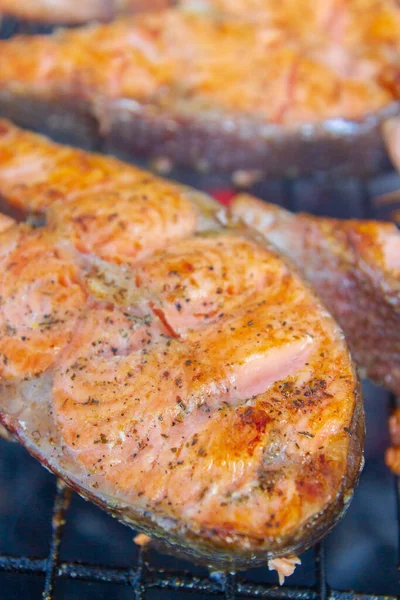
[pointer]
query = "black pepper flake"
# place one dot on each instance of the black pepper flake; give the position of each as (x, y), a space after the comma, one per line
(90, 401)
(102, 440)
(306, 434)
(178, 306)
(180, 402)
(188, 362)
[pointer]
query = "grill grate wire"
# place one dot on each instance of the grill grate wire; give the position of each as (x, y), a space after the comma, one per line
(142, 577)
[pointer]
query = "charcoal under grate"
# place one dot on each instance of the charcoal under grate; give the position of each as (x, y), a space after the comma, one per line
(144, 578)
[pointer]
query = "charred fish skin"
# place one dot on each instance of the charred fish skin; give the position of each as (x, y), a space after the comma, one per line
(165, 100)
(199, 391)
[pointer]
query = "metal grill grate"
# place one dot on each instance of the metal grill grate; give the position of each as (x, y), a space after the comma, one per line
(143, 577)
(348, 198)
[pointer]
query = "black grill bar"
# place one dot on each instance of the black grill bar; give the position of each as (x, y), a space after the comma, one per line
(136, 578)
(322, 586)
(175, 580)
(14, 564)
(61, 503)
(230, 586)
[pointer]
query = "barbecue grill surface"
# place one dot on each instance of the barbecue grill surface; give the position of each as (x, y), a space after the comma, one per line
(53, 545)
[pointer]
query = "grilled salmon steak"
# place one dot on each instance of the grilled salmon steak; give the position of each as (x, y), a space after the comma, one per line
(183, 377)
(75, 11)
(36, 173)
(151, 85)
(354, 266)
